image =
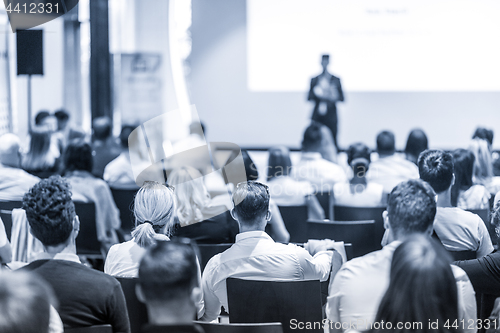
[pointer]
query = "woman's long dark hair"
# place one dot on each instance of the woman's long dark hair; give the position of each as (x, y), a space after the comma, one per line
(422, 289)
(463, 160)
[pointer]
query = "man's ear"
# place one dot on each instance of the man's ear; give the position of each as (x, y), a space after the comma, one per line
(385, 216)
(233, 214)
(269, 215)
(76, 225)
(196, 295)
(139, 293)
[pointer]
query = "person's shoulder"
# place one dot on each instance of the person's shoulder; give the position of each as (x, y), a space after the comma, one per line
(459, 274)
(335, 78)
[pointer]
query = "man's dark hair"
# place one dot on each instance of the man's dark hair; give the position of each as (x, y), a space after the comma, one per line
(312, 137)
(251, 201)
(417, 142)
(386, 144)
(40, 116)
(24, 303)
(411, 207)
(168, 271)
(125, 133)
(78, 156)
(61, 115)
(484, 133)
(50, 210)
(102, 128)
(436, 168)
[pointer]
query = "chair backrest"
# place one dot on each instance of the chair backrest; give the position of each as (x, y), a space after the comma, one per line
(295, 219)
(358, 233)
(137, 311)
(207, 251)
(87, 242)
(241, 328)
(6, 208)
(90, 329)
(326, 200)
(346, 213)
(253, 301)
(124, 199)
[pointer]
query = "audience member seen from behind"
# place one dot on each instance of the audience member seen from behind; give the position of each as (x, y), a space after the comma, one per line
(417, 142)
(42, 158)
(87, 297)
(104, 146)
(154, 210)
(286, 191)
(197, 215)
(169, 286)
(485, 134)
(14, 181)
(464, 194)
(359, 286)
(87, 188)
(255, 256)
(484, 273)
(25, 303)
(118, 173)
(483, 166)
(421, 291)
(322, 174)
(390, 168)
(359, 192)
(65, 132)
(277, 227)
(457, 229)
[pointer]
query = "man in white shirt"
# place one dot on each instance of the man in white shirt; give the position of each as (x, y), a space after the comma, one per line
(322, 174)
(256, 256)
(14, 181)
(357, 289)
(118, 173)
(457, 229)
(390, 169)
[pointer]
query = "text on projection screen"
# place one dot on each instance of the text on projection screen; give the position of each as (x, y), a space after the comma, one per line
(382, 45)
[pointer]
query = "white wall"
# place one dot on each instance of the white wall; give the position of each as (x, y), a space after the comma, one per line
(47, 90)
(218, 87)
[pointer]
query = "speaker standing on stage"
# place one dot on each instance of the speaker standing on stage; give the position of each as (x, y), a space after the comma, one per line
(326, 91)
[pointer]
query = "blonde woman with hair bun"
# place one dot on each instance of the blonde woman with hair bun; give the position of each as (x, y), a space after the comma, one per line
(154, 207)
(197, 215)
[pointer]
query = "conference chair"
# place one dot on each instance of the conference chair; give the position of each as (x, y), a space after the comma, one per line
(252, 301)
(90, 329)
(358, 233)
(124, 199)
(241, 328)
(346, 213)
(326, 201)
(137, 311)
(207, 251)
(295, 219)
(87, 243)
(6, 208)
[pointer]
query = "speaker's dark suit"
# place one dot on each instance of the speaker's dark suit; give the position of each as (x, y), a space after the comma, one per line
(330, 118)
